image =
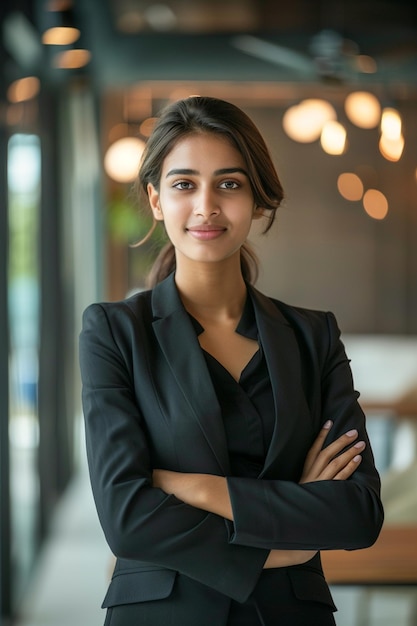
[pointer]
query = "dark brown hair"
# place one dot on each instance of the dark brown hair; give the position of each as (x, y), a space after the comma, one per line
(210, 115)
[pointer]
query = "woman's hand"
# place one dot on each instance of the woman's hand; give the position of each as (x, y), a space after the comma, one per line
(322, 463)
(337, 461)
(210, 493)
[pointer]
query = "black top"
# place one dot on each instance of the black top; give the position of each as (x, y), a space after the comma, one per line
(247, 406)
(248, 415)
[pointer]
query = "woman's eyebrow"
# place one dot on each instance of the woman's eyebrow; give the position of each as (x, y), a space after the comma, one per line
(230, 170)
(183, 172)
(220, 172)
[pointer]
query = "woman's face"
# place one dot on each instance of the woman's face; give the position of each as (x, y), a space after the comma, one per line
(204, 199)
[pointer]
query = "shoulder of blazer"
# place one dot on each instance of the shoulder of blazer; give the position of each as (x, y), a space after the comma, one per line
(158, 302)
(315, 331)
(141, 309)
(294, 316)
(136, 306)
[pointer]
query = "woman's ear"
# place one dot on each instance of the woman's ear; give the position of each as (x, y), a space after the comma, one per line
(258, 212)
(153, 196)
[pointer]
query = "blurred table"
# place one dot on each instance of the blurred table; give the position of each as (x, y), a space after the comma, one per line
(391, 560)
(399, 408)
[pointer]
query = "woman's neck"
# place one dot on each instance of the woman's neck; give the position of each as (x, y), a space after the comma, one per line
(212, 291)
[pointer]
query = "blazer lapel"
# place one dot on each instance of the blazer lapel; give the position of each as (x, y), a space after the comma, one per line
(179, 343)
(284, 365)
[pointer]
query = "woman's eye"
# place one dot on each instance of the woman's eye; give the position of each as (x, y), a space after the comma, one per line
(183, 184)
(229, 184)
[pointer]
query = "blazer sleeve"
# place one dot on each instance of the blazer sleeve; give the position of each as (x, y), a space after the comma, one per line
(141, 522)
(321, 515)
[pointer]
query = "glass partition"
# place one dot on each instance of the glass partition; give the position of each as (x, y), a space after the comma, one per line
(24, 160)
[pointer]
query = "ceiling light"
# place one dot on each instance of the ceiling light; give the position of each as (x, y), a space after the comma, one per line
(60, 36)
(375, 204)
(391, 149)
(350, 186)
(122, 159)
(72, 59)
(333, 138)
(363, 109)
(391, 123)
(23, 89)
(304, 122)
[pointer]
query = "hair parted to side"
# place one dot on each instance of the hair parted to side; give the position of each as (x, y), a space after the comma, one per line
(202, 114)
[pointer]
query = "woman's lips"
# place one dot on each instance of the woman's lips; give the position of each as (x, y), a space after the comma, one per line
(205, 232)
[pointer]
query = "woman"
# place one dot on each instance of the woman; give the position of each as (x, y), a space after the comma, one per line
(226, 446)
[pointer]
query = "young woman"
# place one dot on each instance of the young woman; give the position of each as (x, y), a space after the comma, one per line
(225, 443)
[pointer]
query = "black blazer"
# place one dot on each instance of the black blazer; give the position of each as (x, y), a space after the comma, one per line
(149, 403)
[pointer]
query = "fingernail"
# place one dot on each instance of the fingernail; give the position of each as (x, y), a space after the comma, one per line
(352, 433)
(360, 444)
(328, 424)
(357, 458)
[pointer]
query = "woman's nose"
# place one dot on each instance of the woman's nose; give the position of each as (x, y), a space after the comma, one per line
(206, 204)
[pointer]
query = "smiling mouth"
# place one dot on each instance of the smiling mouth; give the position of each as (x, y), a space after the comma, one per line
(206, 227)
(206, 231)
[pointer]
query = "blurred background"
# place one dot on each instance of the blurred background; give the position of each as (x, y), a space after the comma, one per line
(332, 85)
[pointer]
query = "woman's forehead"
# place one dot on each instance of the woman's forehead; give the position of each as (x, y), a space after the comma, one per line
(204, 147)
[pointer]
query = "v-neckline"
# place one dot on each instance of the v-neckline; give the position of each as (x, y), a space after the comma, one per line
(254, 356)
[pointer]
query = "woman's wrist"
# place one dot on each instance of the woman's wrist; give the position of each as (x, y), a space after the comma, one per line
(203, 491)
(214, 496)
(285, 558)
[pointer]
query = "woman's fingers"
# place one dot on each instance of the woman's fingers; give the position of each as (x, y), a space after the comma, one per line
(343, 465)
(348, 470)
(319, 457)
(335, 461)
(317, 446)
(337, 446)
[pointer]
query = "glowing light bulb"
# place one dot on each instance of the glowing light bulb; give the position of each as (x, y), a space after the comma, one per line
(333, 138)
(72, 59)
(60, 36)
(350, 186)
(375, 204)
(23, 89)
(391, 123)
(304, 122)
(391, 149)
(363, 109)
(122, 159)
